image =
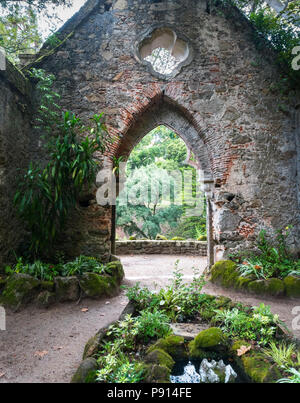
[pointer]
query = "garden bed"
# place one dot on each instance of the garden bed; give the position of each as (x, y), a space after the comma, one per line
(226, 274)
(47, 284)
(155, 341)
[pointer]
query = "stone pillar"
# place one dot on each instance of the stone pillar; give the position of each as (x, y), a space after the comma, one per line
(208, 185)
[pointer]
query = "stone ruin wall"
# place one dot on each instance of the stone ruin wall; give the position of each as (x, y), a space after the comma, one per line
(154, 247)
(15, 154)
(226, 95)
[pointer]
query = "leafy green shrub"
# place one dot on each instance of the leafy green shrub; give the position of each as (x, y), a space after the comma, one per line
(294, 378)
(83, 264)
(41, 271)
(273, 260)
(152, 324)
(47, 272)
(282, 354)
(117, 368)
(260, 326)
(46, 195)
(179, 300)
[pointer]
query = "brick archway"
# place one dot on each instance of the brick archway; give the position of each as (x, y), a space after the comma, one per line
(165, 111)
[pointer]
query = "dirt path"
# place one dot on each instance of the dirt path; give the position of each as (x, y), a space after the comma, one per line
(63, 330)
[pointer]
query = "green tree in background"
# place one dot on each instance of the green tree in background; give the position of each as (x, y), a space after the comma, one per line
(150, 164)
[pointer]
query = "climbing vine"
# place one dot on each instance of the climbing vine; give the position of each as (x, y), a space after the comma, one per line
(47, 194)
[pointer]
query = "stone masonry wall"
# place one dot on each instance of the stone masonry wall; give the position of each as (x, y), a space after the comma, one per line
(15, 129)
(224, 103)
(161, 248)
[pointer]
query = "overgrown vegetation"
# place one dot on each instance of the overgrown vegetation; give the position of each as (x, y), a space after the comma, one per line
(47, 272)
(272, 260)
(47, 194)
(120, 356)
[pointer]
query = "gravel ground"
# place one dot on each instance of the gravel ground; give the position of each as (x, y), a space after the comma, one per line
(47, 345)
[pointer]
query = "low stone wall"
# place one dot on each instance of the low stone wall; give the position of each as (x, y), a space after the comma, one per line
(149, 247)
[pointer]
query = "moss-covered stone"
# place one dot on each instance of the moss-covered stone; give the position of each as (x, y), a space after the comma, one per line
(222, 302)
(237, 344)
(45, 299)
(210, 338)
(85, 371)
(96, 286)
(47, 285)
(224, 273)
(202, 238)
(258, 369)
(19, 290)
(177, 238)
(272, 286)
(157, 374)
(241, 283)
(160, 237)
(160, 357)
(116, 270)
(173, 345)
(292, 286)
(67, 288)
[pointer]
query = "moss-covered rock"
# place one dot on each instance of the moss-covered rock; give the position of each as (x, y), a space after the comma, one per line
(67, 288)
(92, 346)
(292, 286)
(48, 285)
(85, 371)
(173, 345)
(224, 273)
(116, 270)
(160, 357)
(258, 369)
(202, 238)
(19, 290)
(210, 338)
(272, 286)
(157, 374)
(208, 344)
(160, 237)
(45, 299)
(241, 283)
(177, 238)
(96, 286)
(237, 344)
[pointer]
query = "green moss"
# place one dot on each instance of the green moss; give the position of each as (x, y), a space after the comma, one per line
(160, 357)
(157, 374)
(132, 238)
(209, 338)
(196, 353)
(160, 237)
(272, 286)
(177, 238)
(292, 286)
(202, 238)
(237, 344)
(85, 371)
(20, 289)
(173, 345)
(47, 285)
(116, 270)
(242, 282)
(97, 286)
(259, 369)
(224, 273)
